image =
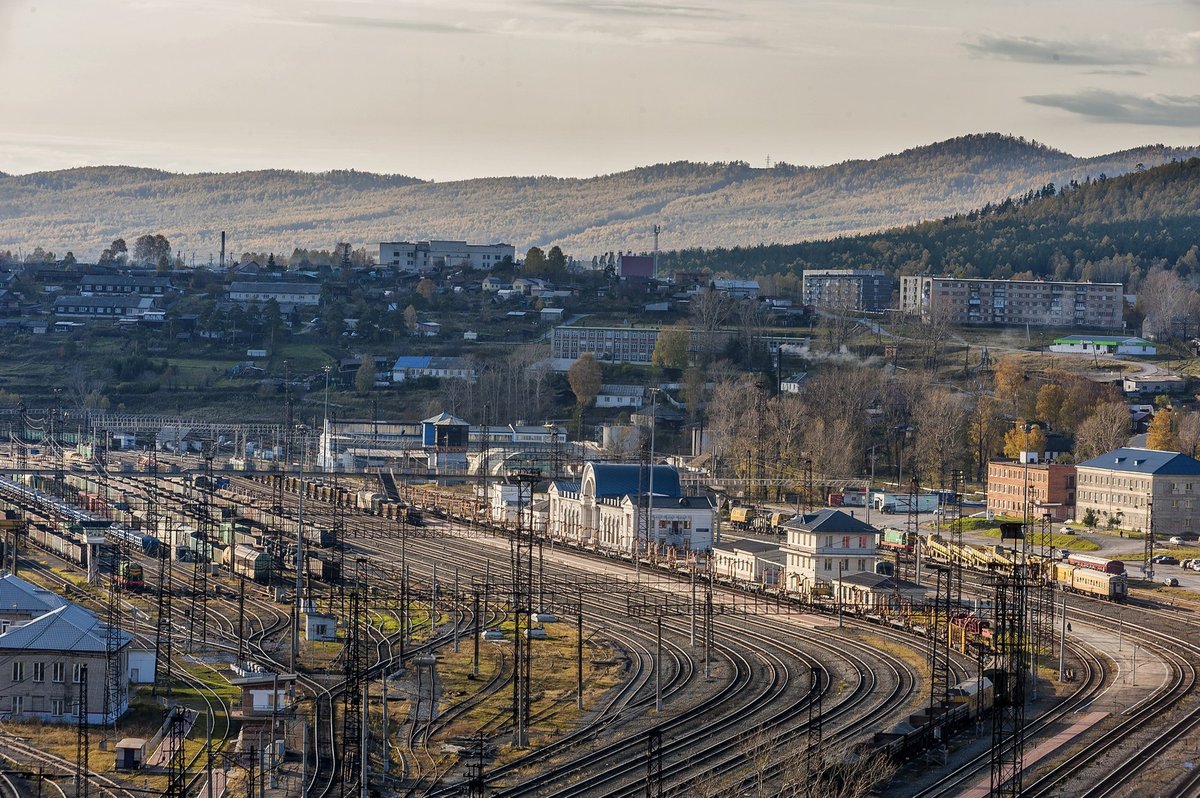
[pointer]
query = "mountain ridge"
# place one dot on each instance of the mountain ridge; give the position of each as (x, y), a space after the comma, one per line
(697, 204)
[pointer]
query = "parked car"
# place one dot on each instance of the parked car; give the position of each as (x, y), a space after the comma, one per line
(1170, 581)
(1164, 559)
(1177, 541)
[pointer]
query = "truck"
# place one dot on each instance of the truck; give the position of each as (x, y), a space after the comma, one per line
(900, 502)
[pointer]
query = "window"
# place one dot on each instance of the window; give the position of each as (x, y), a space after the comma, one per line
(39, 671)
(18, 705)
(75, 673)
(56, 707)
(58, 672)
(828, 565)
(18, 671)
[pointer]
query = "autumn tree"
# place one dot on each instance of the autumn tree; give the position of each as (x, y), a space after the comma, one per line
(1107, 428)
(151, 249)
(1166, 301)
(1049, 404)
(424, 288)
(584, 377)
(364, 378)
(1012, 386)
(1162, 433)
(410, 318)
(671, 347)
(692, 391)
(709, 310)
(985, 432)
(1019, 439)
(941, 435)
(1187, 432)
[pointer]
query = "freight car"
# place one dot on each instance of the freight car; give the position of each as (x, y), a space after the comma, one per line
(969, 699)
(321, 537)
(323, 568)
(249, 562)
(1094, 563)
(64, 546)
(1092, 582)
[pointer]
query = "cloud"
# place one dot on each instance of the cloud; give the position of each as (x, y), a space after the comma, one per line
(1032, 50)
(1127, 73)
(619, 8)
(1123, 108)
(386, 23)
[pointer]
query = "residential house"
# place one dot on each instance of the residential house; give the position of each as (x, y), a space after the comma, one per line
(104, 307)
(491, 284)
(413, 366)
(871, 592)
(621, 396)
(122, 284)
(738, 289)
(421, 257)
(289, 295)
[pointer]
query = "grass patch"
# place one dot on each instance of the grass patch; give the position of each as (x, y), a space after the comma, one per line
(1055, 540)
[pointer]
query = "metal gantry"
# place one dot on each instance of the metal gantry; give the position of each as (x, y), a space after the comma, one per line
(356, 661)
(1011, 646)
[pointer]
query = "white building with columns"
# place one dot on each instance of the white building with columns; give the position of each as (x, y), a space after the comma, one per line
(824, 545)
(607, 509)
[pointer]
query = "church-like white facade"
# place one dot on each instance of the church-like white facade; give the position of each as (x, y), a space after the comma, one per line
(607, 509)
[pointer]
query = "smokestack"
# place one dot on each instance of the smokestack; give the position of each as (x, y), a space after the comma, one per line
(222, 250)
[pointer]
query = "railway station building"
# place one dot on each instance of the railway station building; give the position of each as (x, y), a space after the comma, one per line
(613, 506)
(826, 545)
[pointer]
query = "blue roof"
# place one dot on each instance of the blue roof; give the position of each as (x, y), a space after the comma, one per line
(412, 362)
(566, 487)
(623, 479)
(1145, 461)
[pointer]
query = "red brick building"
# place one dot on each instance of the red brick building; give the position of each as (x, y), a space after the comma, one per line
(1051, 489)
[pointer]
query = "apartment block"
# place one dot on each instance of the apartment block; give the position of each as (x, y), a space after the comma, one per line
(848, 289)
(424, 256)
(1013, 302)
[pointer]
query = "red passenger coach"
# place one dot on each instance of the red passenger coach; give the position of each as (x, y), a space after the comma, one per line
(1096, 563)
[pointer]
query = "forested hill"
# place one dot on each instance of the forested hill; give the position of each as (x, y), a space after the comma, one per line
(1106, 230)
(696, 204)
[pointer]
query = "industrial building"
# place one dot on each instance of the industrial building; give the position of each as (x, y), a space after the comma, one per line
(1037, 303)
(1085, 345)
(848, 289)
(622, 508)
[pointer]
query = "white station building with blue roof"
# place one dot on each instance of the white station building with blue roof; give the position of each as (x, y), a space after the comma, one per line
(608, 509)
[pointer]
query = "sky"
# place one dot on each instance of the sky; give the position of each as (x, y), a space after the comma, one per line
(454, 89)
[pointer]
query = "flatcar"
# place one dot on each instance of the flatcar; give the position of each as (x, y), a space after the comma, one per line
(1091, 582)
(1094, 563)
